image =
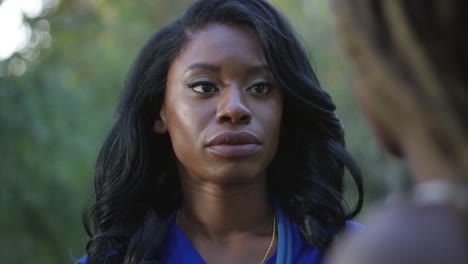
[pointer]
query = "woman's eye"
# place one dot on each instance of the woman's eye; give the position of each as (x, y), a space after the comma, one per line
(260, 88)
(203, 87)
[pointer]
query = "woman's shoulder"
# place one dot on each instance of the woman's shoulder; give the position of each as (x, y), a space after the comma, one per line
(354, 226)
(404, 233)
(81, 260)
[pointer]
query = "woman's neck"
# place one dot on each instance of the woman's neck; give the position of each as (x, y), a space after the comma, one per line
(218, 212)
(425, 162)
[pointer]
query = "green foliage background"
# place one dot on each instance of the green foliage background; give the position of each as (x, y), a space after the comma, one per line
(54, 117)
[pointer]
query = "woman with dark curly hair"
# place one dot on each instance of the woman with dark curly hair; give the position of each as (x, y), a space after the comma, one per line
(225, 149)
(409, 61)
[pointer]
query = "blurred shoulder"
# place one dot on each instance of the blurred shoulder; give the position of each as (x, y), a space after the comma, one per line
(353, 226)
(404, 233)
(82, 260)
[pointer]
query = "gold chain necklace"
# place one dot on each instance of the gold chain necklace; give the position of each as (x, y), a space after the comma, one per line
(272, 240)
(272, 236)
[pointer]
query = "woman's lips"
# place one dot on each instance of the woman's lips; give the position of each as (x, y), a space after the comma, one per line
(234, 144)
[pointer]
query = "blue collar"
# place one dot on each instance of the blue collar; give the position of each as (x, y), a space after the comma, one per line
(292, 248)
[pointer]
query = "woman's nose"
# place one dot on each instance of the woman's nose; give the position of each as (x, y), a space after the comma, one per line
(232, 108)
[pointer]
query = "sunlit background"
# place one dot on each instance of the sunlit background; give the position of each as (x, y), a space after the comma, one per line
(23, 30)
(62, 66)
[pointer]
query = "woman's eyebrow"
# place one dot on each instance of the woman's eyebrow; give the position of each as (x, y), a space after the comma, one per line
(214, 68)
(258, 69)
(203, 66)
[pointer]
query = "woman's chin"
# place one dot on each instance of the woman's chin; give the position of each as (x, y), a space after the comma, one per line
(236, 176)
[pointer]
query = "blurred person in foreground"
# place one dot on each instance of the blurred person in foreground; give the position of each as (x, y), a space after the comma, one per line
(225, 148)
(409, 61)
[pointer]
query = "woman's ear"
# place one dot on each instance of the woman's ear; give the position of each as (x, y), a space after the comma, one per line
(159, 126)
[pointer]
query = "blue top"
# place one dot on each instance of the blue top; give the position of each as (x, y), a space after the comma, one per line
(178, 242)
(292, 248)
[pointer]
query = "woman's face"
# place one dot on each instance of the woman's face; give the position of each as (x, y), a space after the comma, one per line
(222, 108)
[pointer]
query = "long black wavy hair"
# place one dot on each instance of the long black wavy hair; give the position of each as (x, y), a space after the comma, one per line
(136, 181)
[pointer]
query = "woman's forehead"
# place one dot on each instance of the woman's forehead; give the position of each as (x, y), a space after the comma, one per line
(217, 44)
